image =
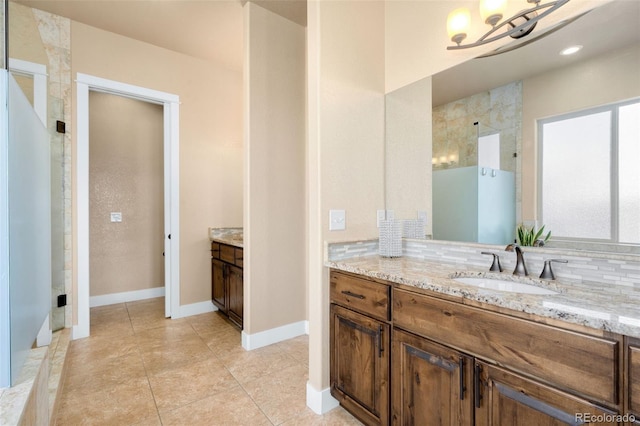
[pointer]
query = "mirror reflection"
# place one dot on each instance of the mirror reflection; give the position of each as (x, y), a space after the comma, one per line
(486, 112)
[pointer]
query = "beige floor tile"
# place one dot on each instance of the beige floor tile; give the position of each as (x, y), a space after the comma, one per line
(117, 313)
(297, 347)
(250, 365)
(103, 373)
(280, 395)
(336, 417)
(111, 329)
(188, 383)
(229, 408)
(172, 331)
(177, 353)
(127, 403)
(91, 348)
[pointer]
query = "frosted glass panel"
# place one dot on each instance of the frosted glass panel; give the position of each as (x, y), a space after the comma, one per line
(629, 173)
(496, 206)
(455, 204)
(29, 225)
(576, 177)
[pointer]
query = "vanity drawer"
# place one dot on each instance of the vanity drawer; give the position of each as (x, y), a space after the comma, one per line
(362, 295)
(227, 253)
(215, 250)
(586, 365)
(239, 257)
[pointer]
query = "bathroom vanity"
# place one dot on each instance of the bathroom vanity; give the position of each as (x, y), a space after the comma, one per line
(227, 288)
(410, 345)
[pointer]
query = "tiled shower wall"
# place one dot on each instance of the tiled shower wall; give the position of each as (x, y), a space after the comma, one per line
(455, 136)
(55, 32)
(588, 267)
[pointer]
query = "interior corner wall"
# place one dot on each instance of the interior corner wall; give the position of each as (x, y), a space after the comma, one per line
(275, 134)
(346, 88)
(609, 78)
(210, 136)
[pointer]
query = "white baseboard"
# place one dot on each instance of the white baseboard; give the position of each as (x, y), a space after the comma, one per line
(125, 296)
(274, 335)
(320, 402)
(194, 309)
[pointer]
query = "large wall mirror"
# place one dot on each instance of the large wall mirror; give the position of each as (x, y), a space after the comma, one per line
(480, 121)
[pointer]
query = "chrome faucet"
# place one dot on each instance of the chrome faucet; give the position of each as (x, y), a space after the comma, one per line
(521, 268)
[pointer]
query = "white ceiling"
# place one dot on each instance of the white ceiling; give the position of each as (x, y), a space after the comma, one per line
(206, 29)
(608, 27)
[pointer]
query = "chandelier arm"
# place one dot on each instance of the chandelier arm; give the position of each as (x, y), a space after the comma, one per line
(522, 14)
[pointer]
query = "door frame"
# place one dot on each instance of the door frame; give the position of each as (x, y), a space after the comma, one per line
(171, 107)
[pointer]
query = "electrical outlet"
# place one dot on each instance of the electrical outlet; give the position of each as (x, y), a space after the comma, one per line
(116, 216)
(337, 220)
(380, 215)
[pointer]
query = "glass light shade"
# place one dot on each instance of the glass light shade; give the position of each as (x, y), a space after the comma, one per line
(492, 11)
(458, 23)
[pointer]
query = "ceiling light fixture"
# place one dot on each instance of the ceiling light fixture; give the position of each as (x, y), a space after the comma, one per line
(571, 50)
(492, 12)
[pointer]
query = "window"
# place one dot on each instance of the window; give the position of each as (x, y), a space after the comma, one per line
(590, 174)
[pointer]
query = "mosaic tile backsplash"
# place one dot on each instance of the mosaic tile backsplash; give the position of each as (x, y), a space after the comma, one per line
(587, 267)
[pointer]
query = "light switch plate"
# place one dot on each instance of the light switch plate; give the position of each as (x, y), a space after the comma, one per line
(337, 220)
(116, 216)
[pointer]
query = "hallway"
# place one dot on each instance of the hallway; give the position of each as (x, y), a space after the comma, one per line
(138, 368)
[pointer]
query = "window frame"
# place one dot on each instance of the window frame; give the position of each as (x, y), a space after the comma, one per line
(613, 108)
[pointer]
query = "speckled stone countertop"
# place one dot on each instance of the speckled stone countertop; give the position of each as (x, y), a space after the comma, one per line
(231, 236)
(608, 307)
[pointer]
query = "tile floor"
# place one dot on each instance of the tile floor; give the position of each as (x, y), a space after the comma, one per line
(138, 368)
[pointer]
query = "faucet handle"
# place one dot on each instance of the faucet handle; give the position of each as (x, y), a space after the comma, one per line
(547, 272)
(495, 266)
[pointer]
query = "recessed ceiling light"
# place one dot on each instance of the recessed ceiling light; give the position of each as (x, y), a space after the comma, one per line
(570, 50)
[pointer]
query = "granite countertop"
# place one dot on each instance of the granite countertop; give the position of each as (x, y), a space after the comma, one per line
(614, 308)
(230, 236)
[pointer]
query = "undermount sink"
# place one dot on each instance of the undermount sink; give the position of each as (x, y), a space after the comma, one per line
(504, 285)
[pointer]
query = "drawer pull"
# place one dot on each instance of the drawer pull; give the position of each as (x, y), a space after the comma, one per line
(462, 387)
(476, 385)
(348, 293)
(380, 349)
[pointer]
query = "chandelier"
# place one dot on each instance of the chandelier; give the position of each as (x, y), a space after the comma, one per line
(492, 11)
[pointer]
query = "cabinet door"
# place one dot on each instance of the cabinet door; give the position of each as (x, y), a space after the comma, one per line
(219, 285)
(505, 398)
(360, 365)
(633, 378)
(235, 294)
(431, 383)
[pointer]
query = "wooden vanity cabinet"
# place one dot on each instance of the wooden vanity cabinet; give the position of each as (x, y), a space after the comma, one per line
(505, 398)
(360, 347)
(632, 378)
(432, 384)
(227, 280)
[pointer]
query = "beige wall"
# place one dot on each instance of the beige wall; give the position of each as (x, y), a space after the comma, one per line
(610, 78)
(210, 135)
(274, 213)
(126, 176)
(345, 158)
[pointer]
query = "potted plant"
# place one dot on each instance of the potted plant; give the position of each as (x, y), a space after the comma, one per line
(531, 236)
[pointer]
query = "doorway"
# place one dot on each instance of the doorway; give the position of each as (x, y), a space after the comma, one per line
(170, 105)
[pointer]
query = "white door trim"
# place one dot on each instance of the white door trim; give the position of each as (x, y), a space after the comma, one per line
(39, 74)
(171, 104)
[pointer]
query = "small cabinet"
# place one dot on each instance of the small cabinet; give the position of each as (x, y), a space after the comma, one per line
(360, 347)
(227, 280)
(505, 398)
(632, 379)
(431, 383)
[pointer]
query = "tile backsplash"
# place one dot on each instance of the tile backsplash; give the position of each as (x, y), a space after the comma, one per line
(588, 267)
